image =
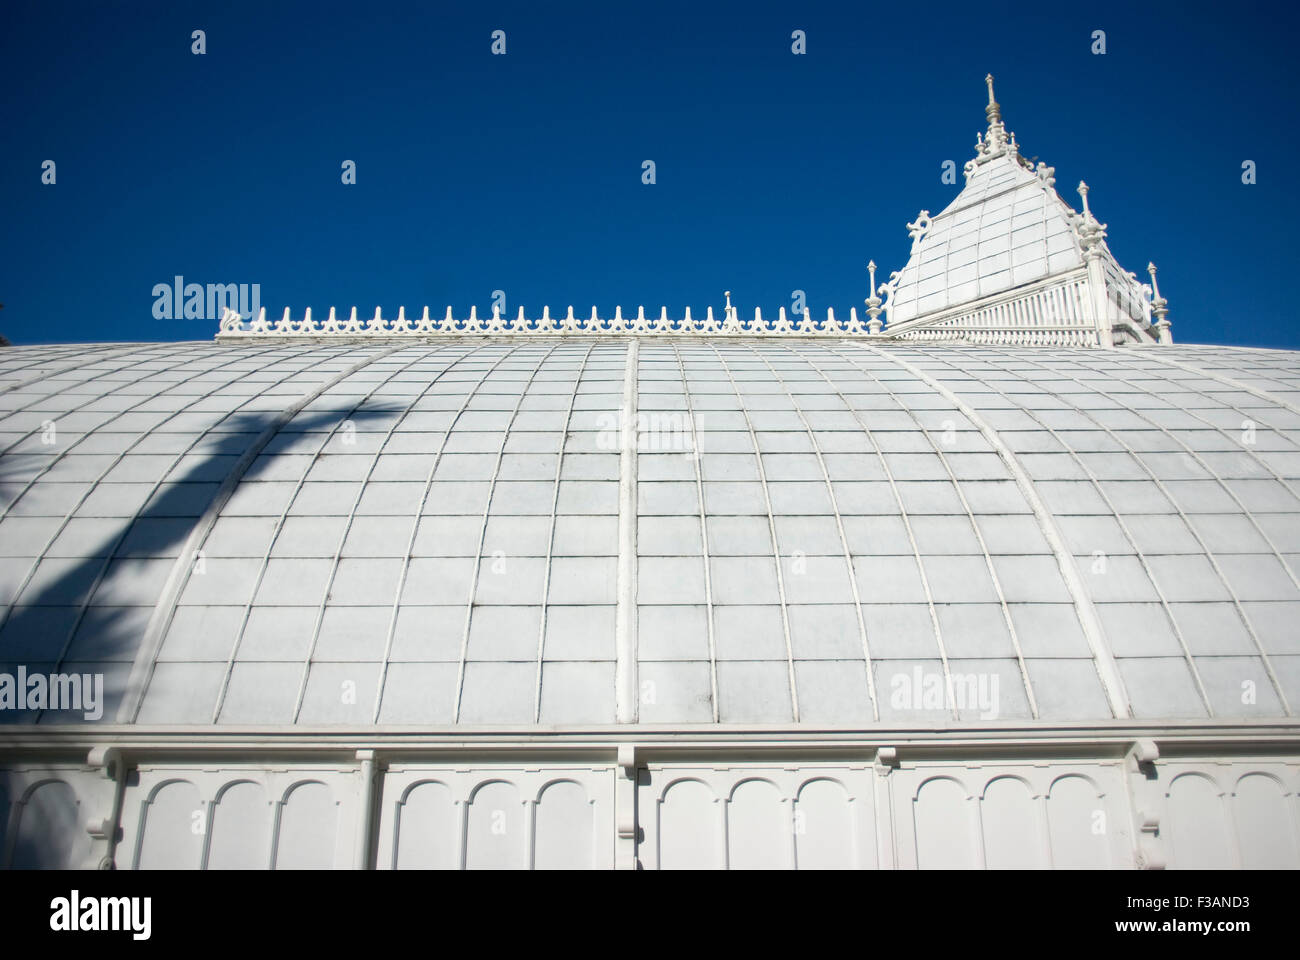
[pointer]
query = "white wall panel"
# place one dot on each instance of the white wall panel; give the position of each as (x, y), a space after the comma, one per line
(756, 816)
(1215, 812)
(502, 816)
(1266, 825)
(564, 830)
(48, 835)
(308, 829)
(1013, 829)
(4, 820)
(174, 823)
(1077, 824)
(946, 821)
(426, 824)
(494, 839)
(690, 827)
(760, 827)
(49, 807)
(1001, 814)
(1196, 834)
(248, 818)
(1230, 813)
(825, 831)
(241, 828)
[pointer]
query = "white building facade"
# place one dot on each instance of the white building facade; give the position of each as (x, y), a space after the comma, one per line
(990, 575)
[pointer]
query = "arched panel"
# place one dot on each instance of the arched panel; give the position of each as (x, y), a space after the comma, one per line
(689, 832)
(428, 829)
(495, 839)
(823, 821)
(1013, 839)
(308, 828)
(171, 828)
(1077, 824)
(946, 837)
(1265, 830)
(563, 833)
(49, 834)
(1195, 825)
(4, 819)
(758, 828)
(241, 829)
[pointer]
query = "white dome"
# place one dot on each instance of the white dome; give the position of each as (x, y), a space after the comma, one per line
(1088, 527)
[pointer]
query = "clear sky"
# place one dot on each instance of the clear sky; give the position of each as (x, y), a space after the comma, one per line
(522, 172)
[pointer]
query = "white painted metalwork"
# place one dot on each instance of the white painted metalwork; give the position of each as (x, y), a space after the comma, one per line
(839, 527)
(771, 526)
(696, 453)
(911, 539)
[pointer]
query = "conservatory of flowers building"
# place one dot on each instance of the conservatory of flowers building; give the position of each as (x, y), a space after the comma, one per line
(987, 574)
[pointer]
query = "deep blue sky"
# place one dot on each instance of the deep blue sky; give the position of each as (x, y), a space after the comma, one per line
(523, 172)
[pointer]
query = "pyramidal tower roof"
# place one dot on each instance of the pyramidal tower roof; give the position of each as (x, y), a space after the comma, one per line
(1010, 261)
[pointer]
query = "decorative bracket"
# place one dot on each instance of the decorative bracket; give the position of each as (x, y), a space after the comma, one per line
(886, 760)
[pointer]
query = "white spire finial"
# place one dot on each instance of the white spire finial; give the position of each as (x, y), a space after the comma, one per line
(1160, 307)
(873, 301)
(996, 138)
